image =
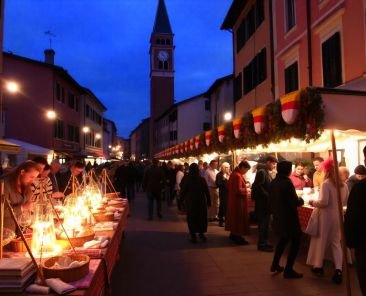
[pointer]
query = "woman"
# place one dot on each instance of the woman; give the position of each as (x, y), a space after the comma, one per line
(286, 224)
(329, 227)
(17, 189)
(222, 178)
(194, 191)
(237, 220)
(178, 179)
(299, 179)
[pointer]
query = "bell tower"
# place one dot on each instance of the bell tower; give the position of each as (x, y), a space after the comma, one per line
(161, 70)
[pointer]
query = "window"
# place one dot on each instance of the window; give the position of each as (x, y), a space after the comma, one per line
(87, 110)
(206, 126)
(332, 61)
(207, 105)
(58, 92)
(173, 116)
(166, 65)
(249, 24)
(259, 13)
(173, 135)
(238, 87)
(73, 133)
(290, 14)
(62, 95)
(59, 129)
(76, 103)
(71, 101)
(291, 78)
(158, 41)
(168, 41)
(255, 72)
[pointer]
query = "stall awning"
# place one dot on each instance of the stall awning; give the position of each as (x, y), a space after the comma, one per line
(30, 148)
(6, 146)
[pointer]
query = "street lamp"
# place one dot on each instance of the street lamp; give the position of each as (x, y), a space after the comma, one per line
(228, 116)
(50, 114)
(11, 87)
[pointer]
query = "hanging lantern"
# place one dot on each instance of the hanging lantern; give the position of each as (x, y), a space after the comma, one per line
(44, 235)
(191, 144)
(197, 141)
(208, 135)
(236, 127)
(258, 118)
(221, 133)
(290, 106)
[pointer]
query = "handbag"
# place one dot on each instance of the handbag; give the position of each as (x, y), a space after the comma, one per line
(313, 224)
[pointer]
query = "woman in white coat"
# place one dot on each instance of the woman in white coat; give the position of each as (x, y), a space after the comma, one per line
(329, 234)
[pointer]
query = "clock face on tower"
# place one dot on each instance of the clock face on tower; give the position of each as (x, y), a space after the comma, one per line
(163, 55)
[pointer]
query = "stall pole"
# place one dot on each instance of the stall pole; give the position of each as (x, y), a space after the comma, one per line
(340, 212)
(2, 208)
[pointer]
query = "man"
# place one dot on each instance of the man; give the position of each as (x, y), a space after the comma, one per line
(221, 181)
(237, 219)
(355, 230)
(153, 184)
(66, 181)
(260, 195)
(210, 177)
(318, 176)
(359, 174)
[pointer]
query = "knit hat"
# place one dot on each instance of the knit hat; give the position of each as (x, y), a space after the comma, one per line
(360, 170)
(327, 164)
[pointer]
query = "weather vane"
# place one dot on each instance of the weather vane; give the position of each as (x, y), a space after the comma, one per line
(50, 35)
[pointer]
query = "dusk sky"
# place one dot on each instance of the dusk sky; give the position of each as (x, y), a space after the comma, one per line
(104, 45)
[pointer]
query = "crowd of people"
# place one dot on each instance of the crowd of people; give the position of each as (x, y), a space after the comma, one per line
(208, 194)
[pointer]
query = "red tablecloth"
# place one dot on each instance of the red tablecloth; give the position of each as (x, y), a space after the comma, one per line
(304, 216)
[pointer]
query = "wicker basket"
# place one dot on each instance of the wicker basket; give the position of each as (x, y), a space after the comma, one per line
(103, 217)
(66, 274)
(112, 195)
(79, 241)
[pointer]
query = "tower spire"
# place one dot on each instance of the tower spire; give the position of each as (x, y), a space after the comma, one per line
(162, 23)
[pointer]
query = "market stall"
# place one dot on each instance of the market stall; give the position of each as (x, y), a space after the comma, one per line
(84, 260)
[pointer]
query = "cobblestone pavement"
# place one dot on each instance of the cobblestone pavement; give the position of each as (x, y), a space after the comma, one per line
(157, 259)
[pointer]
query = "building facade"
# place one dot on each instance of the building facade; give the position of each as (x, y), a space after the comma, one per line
(139, 140)
(251, 26)
(315, 44)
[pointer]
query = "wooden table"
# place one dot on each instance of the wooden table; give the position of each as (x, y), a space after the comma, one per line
(102, 261)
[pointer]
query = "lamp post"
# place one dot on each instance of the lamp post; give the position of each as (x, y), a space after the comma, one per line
(51, 115)
(85, 130)
(11, 87)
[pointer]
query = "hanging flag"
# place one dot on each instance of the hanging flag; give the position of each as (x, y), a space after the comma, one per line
(197, 141)
(208, 135)
(290, 106)
(258, 118)
(221, 132)
(236, 127)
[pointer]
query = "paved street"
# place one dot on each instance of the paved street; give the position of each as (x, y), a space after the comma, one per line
(157, 259)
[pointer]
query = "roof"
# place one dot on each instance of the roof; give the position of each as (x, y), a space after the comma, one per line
(233, 14)
(162, 23)
(59, 70)
(89, 92)
(218, 83)
(143, 121)
(6, 146)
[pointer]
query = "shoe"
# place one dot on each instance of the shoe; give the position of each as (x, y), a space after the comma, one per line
(317, 270)
(265, 248)
(277, 268)
(337, 277)
(292, 274)
(221, 224)
(202, 237)
(193, 239)
(240, 241)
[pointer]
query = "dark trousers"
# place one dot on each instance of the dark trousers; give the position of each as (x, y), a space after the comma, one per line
(130, 190)
(222, 208)
(292, 253)
(263, 226)
(151, 196)
(360, 255)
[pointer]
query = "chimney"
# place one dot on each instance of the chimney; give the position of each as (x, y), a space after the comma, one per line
(49, 56)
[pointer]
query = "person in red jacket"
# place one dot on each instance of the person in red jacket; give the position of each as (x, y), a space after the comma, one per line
(237, 219)
(299, 179)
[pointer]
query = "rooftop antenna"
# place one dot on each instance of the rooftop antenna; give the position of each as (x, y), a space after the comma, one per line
(50, 36)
